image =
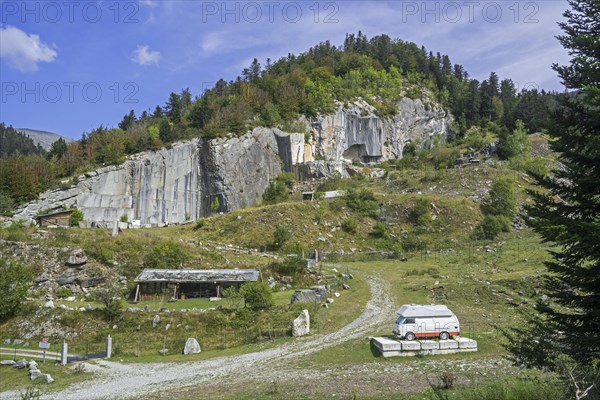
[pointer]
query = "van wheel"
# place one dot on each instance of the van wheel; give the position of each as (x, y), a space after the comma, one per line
(410, 336)
(444, 336)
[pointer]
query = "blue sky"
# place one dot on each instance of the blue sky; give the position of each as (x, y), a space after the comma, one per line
(69, 66)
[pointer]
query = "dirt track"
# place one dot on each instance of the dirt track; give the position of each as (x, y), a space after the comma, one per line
(114, 380)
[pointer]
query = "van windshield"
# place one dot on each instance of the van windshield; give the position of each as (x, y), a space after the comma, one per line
(400, 320)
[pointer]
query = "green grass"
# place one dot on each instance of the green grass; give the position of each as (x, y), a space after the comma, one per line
(18, 379)
(486, 290)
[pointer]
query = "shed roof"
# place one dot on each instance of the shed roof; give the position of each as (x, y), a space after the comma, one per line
(418, 310)
(197, 275)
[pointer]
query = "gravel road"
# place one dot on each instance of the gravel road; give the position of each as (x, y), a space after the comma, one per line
(114, 380)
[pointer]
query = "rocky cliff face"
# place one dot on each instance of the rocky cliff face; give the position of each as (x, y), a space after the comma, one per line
(181, 183)
(355, 133)
(172, 185)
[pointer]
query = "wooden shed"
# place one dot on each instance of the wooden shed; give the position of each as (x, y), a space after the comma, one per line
(154, 284)
(57, 219)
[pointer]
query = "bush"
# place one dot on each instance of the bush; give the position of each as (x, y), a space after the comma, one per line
(501, 199)
(380, 230)
(276, 192)
(64, 292)
(110, 298)
(124, 218)
(290, 266)
(167, 255)
(15, 280)
(491, 226)
(16, 232)
(257, 295)
(200, 224)
(281, 235)
(362, 201)
(350, 225)
(76, 217)
(421, 213)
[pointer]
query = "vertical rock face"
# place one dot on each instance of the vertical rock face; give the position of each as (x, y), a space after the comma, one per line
(181, 183)
(355, 133)
(172, 185)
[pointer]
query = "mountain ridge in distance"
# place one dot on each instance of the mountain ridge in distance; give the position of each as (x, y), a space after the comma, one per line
(43, 138)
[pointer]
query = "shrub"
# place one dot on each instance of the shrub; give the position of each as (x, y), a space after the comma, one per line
(234, 298)
(362, 201)
(110, 298)
(276, 192)
(289, 266)
(167, 255)
(380, 230)
(350, 225)
(281, 235)
(200, 224)
(421, 213)
(257, 295)
(15, 280)
(64, 292)
(16, 232)
(124, 218)
(76, 217)
(501, 199)
(491, 226)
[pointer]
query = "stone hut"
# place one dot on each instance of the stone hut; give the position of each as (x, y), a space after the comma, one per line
(190, 283)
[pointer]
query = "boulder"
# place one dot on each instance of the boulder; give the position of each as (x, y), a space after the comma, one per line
(7, 341)
(301, 325)
(66, 279)
(320, 290)
(345, 286)
(163, 351)
(191, 346)
(8, 362)
(32, 364)
(305, 296)
(88, 307)
(336, 294)
(77, 258)
(49, 378)
(34, 374)
(329, 300)
(49, 304)
(20, 364)
(156, 321)
(94, 281)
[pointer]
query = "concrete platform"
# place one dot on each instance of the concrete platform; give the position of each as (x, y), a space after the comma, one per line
(389, 347)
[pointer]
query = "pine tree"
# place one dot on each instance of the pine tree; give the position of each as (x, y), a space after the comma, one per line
(568, 214)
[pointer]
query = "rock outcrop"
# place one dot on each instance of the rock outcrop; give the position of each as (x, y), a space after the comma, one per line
(182, 183)
(355, 133)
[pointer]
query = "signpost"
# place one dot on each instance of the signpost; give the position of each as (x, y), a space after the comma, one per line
(44, 344)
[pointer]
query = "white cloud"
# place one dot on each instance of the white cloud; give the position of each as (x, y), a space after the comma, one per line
(149, 3)
(24, 51)
(144, 56)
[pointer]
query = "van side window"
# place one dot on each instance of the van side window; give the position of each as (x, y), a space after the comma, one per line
(409, 321)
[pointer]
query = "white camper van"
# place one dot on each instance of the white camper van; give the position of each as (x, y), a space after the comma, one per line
(426, 321)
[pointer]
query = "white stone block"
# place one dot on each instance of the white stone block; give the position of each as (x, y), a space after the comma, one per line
(410, 345)
(448, 344)
(465, 343)
(429, 345)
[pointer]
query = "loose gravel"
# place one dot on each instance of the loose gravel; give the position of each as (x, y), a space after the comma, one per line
(136, 381)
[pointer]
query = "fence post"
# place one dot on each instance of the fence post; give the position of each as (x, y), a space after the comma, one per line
(64, 353)
(108, 346)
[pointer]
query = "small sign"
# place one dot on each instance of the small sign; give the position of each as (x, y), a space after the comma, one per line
(44, 345)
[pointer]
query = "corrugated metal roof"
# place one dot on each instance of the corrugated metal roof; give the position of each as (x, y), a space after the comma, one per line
(197, 275)
(419, 310)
